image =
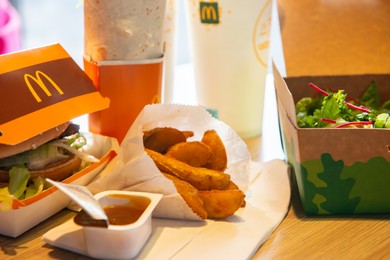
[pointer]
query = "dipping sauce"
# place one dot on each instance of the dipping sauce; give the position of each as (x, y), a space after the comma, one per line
(120, 210)
(122, 215)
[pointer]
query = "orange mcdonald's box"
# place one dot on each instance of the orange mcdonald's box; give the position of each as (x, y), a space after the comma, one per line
(130, 85)
(41, 91)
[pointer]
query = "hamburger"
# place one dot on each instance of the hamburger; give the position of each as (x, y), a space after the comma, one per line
(55, 154)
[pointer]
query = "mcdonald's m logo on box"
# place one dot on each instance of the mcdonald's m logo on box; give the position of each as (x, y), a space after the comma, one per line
(209, 12)
(39, 75)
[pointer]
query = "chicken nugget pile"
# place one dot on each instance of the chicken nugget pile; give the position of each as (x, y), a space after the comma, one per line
(196, 168)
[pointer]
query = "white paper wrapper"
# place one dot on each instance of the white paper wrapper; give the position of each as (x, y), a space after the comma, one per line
(133, 169)
(123, 29)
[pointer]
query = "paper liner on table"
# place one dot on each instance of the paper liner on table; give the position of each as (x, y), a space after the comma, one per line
(133, 169)
(268, 198)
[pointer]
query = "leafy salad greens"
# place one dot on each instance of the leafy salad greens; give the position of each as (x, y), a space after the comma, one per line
(335, 109)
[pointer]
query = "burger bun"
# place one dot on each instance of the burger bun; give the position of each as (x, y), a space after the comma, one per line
(9, 150)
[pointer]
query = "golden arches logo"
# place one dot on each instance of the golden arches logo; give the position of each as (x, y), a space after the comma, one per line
(209, 12)
(38, 79)
(156, 99)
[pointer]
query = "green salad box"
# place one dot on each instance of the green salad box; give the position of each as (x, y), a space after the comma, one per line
(337, 171)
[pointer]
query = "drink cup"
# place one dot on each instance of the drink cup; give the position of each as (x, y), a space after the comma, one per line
(229, 40)
(130, 85)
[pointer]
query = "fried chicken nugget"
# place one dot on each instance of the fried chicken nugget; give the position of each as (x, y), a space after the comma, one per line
(159, 139)
(194, 153)
(218, 160)
(190, 195)
(200, 178)
(222, 203)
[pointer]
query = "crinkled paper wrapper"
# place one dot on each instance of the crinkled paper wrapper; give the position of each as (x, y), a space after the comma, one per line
(132, 169)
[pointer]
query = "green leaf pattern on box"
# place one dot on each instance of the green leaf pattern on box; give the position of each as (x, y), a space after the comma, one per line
(328, 186)
(342, 189)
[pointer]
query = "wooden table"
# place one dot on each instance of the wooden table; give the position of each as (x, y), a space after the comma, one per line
(298, 236)
(324, 237)
(330, 237)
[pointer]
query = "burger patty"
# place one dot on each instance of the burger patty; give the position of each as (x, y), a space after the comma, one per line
(56, 171)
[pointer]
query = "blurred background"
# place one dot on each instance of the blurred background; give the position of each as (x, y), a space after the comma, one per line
(44, 22)
(47, 21)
